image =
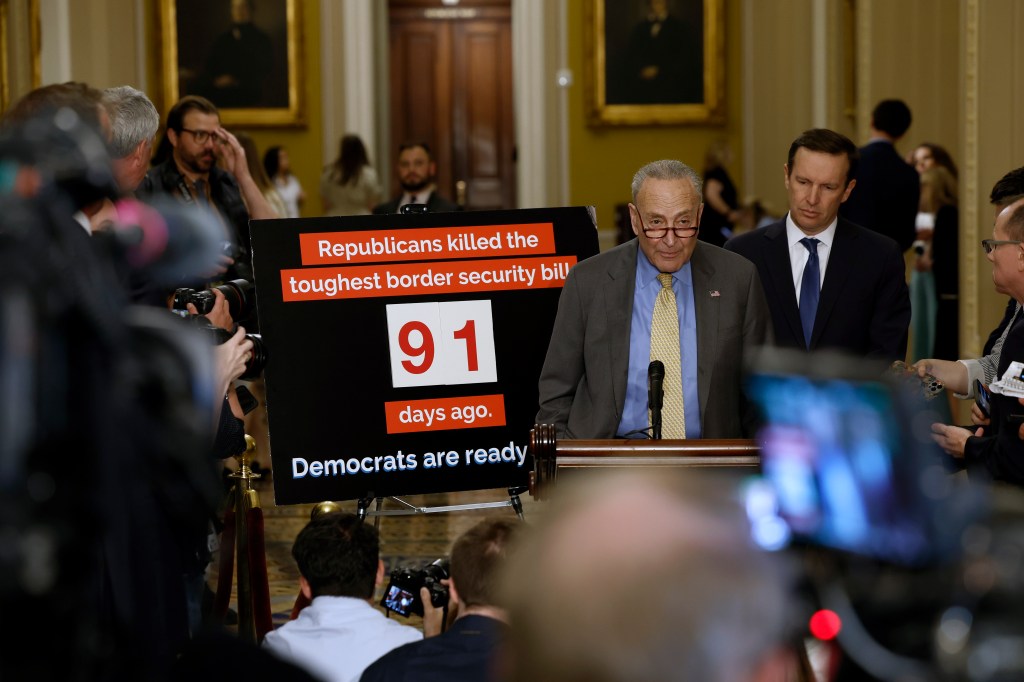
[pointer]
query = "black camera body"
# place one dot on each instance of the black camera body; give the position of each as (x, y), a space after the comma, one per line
(238, 293)
(403, 591)
(257, 359)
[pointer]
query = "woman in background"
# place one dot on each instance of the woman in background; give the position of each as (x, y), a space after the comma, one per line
(349, 186)
(721, 203)
(279, 169)
(939, 190)
(259, 176)
(928, 155)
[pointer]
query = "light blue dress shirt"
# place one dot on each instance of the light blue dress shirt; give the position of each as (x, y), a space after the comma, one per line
(634, 412)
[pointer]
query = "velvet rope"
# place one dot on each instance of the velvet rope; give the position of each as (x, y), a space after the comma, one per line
(259, 585)
(227, 562)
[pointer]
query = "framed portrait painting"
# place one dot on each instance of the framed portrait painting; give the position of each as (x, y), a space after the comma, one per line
(655, 62)
(245, 56)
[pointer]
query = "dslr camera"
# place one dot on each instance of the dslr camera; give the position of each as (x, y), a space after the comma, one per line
(403, 592)
(238, 293)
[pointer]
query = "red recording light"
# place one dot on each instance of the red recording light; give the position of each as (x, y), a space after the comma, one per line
(825, 625)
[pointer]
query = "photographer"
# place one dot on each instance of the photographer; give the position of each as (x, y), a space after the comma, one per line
(466, 651)
(340, 632)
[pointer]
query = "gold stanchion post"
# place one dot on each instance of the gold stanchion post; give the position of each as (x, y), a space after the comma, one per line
(254, 618)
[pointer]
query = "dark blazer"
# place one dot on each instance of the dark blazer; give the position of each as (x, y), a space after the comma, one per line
(999, 452)
(466, 651)
(583, 383)
(886, 195)
(864, 306)
(435, 204)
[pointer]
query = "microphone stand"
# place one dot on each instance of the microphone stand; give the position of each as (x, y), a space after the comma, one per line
(655, 396)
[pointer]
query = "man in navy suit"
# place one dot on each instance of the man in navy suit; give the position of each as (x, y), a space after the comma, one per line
(829, 282)
(467, 650)
(888, 188)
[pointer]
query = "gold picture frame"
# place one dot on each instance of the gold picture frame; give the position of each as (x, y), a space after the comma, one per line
(261, 84)
(641, 74)
(20, 50)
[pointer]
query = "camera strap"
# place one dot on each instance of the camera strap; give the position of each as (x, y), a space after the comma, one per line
(186, 193)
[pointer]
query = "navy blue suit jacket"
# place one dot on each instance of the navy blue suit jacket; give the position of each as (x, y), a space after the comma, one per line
(999, 451)
(886, 195)
(465, 652)
(864, 306)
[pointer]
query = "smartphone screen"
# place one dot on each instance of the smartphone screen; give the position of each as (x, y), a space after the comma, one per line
(983, 399)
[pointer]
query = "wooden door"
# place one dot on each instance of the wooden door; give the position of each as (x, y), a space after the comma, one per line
(451, 86)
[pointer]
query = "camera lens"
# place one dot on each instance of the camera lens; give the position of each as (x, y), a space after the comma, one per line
(238, 293)
(258, 360)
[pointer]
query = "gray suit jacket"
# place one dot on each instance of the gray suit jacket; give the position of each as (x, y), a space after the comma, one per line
(583, 382)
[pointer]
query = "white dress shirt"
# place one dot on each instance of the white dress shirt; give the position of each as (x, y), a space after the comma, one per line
(422, 197)
(337, 638)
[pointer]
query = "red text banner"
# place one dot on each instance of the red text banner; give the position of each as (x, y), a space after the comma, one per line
(380, 246)
(413, 279)
(443, 414)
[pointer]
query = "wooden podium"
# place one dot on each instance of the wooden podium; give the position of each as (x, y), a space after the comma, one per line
(551, 455)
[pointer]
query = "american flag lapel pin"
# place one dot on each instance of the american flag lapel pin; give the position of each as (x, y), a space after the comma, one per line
(715, 293)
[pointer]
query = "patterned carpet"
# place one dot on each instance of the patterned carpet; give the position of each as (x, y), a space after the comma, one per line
(414, 540)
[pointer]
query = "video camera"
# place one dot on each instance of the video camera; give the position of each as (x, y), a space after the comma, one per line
(238, 293)
(403, 592)
(105, 419)
(853, 485)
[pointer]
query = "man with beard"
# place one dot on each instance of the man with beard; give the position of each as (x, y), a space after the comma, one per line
(190, 175)
(416, 172)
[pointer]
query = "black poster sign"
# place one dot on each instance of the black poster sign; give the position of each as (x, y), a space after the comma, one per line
(404, 350)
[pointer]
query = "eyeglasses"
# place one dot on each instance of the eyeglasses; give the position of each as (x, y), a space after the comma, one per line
(685, 231)
(990, 244)
(200, 136)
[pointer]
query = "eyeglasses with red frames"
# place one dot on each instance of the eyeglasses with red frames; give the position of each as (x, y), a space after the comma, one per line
(683, 229)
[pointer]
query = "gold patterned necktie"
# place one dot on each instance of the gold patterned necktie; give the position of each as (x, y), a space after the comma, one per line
(665, 347)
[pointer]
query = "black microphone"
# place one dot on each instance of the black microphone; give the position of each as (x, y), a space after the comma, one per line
(655, 394)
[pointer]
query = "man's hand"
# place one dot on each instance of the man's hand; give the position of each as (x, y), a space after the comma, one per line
(433, 617)
(230, 358)
(952, 374)
(220, 316)
(223, 263)
(978, 417)
(230, 151)
(953, 439)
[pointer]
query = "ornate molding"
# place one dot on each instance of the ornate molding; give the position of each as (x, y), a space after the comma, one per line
(864, 50)
(970, 316)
